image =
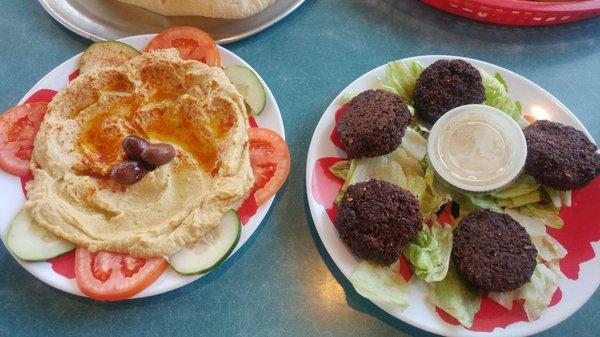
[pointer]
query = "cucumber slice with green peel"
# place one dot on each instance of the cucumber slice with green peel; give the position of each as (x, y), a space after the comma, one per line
(31, 242)
(105, 54)
(210, 251)
(248, 84)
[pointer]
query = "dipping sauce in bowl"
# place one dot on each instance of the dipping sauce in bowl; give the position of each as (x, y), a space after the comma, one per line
(476, 148)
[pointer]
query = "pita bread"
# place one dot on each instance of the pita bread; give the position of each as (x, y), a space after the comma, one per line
(227, 9)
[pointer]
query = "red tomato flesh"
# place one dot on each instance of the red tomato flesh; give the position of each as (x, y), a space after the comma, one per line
(108, 276)
(270, 160)
(18, 127)
(192, 44)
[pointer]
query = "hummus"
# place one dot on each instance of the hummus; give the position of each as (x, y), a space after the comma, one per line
(159, 97)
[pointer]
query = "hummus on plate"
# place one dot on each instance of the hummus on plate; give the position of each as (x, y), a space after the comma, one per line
(159, 97)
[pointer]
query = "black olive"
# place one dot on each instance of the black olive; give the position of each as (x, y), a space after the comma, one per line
(128, 172)
(158, 154)
(134, 146)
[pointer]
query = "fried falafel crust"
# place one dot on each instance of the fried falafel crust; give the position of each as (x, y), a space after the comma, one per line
(376, 219)
(493, 251)
(374, 124)
(445, 85)
(560, 156)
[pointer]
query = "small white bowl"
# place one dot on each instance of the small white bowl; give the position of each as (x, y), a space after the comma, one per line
(477, 148)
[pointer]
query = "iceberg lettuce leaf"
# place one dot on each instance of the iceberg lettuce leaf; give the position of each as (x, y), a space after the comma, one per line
(346, 98)
(521, 200)
(429, 253)
(558, 198)
(414, 144)
(547, 213)
(457, 297)
(496, 95)
(400, 78)
(525, 184)
(434, 196)
(538, 292)
(548, 248)
(381, 285)
(340, 169)
(505, 299)
(481, 201)
(382, 168)
(403, 169)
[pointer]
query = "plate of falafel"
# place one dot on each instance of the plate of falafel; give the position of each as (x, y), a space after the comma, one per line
(458, 196)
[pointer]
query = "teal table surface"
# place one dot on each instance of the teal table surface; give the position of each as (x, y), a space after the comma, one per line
(283, 282)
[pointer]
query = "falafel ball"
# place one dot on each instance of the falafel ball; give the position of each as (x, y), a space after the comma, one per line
(493, 251)
(445, 85)
(560, 156)
(373, 124)
(376, 219)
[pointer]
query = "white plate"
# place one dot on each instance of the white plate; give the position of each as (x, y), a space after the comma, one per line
(110, 19)
(420, 313)
(12, 199)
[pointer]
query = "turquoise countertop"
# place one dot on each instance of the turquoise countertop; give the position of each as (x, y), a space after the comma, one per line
(282, 282)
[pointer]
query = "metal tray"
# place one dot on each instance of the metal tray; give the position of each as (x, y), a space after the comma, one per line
(110, 19)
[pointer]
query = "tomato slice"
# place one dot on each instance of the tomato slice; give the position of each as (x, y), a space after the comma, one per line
(108, 276)
(18, 127)
(270, 159)
(192, 44)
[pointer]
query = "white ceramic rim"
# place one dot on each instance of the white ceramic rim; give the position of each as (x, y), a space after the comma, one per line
(517, 162)
(169, 280)
(421, 314)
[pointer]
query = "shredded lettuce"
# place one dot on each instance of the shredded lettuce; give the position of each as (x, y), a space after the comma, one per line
(525, 184)
(340, 169)
(522, 200)
(533, 226)
(416, 185)
(524, 191)
(505, 299)
(381, 284)
(547, 213)
(403, 168)
(457, 297)
(390, 168)
(496, 95)
(566, 198)
(548, 248)
(435, 195)
(558, 198)
(386, 168)
(429, 253)
(500, 79)
(346, 98)
(400, 78)
(475, 201)
(538, 292)
(414, 144)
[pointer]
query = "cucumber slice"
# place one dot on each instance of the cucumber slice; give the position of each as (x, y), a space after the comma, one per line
(105, 54)
(31, 242)
(248, 84)
(206, 255)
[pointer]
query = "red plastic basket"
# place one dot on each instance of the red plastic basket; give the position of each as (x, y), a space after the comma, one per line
(520, 13)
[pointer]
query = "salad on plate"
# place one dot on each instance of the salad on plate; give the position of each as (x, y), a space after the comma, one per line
(448, 183)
